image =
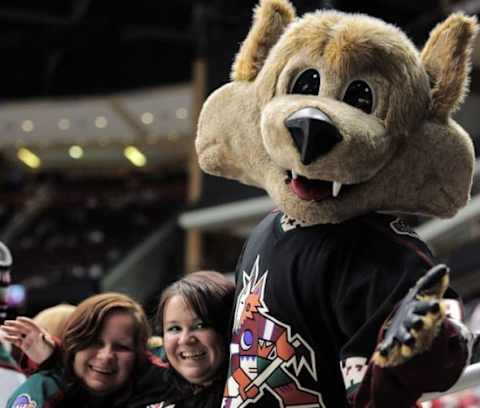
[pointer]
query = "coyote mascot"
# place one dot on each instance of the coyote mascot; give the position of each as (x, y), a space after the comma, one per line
(344, 123)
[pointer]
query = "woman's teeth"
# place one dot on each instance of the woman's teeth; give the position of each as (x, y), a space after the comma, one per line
(102, 370)
(192, 354)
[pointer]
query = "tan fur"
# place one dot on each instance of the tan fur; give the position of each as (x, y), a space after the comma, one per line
(352, 45)
(408, 155)
(270, 19)
(423, 338)
(447, 43)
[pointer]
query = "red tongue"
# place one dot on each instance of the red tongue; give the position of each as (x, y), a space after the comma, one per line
(311, 190)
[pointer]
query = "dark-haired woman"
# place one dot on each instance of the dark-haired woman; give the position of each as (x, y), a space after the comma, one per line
(193, 316)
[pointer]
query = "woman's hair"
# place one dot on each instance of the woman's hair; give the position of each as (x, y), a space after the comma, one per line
(85, 324)
(210, 295)
(53, 319)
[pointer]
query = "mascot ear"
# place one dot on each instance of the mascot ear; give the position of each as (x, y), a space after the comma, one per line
(446, 58)
(270, 20)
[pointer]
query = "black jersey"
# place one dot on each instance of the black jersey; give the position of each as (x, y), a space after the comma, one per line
(310, 303)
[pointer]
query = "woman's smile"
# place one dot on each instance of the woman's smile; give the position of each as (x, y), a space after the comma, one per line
(194, 350)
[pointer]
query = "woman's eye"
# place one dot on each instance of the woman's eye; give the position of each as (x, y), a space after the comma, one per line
(307, 83)
(359, 95)
(123, 347)
(174, 329)
(200, 325)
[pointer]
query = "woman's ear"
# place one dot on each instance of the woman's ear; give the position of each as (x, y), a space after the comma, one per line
(446, 58)
(271, 18)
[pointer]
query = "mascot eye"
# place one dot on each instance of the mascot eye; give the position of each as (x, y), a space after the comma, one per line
(359, 95)
(307, 83)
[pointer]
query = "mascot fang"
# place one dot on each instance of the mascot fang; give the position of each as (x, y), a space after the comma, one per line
(342, 121)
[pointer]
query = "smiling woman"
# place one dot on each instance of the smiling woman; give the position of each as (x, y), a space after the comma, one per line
(193, 315)
(103, 347)
(103, 341)
(106, 364)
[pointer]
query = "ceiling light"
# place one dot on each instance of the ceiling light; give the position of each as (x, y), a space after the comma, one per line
(182, 113)
(28, 126)
(101, 122)
(29, 158)
(75, 152)
(135, 156)
(148, 118)
(64, 124)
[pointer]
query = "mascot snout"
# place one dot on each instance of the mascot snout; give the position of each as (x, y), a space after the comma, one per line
(313, 133)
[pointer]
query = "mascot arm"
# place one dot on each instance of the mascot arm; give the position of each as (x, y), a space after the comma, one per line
(423, 348)
(401, 386)
(365, 291)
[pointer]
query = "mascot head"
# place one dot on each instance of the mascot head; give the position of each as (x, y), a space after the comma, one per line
(336, 114)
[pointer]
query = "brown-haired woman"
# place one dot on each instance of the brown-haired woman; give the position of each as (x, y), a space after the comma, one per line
(103, 353)
(103, 341)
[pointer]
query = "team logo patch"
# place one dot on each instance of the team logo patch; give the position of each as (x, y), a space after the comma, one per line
(400, 227)
(266, 355)
(353, 370)
(24, 401)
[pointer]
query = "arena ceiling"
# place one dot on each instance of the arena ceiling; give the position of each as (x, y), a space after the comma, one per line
(71, 47)
(99, 52)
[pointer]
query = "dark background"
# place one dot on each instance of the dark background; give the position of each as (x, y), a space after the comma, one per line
(84, 47)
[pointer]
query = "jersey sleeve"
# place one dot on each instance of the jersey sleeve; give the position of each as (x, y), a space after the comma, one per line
(434, 370)
(41, 390)
(374, 271)
(375, 274)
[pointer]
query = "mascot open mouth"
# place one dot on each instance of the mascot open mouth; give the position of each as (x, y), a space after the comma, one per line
(312, 190)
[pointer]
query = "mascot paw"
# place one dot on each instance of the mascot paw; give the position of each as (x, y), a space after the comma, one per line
(416, 322)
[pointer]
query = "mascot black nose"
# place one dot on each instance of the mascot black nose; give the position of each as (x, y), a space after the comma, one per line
(313, 133)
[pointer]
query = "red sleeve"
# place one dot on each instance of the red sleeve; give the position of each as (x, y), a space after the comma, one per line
(29, 366)
(432, 371)
(155, 360)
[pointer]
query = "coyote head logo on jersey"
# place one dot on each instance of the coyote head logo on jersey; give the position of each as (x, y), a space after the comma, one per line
(265, 352)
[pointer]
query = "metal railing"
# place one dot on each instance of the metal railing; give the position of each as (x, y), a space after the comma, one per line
(469, 378)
